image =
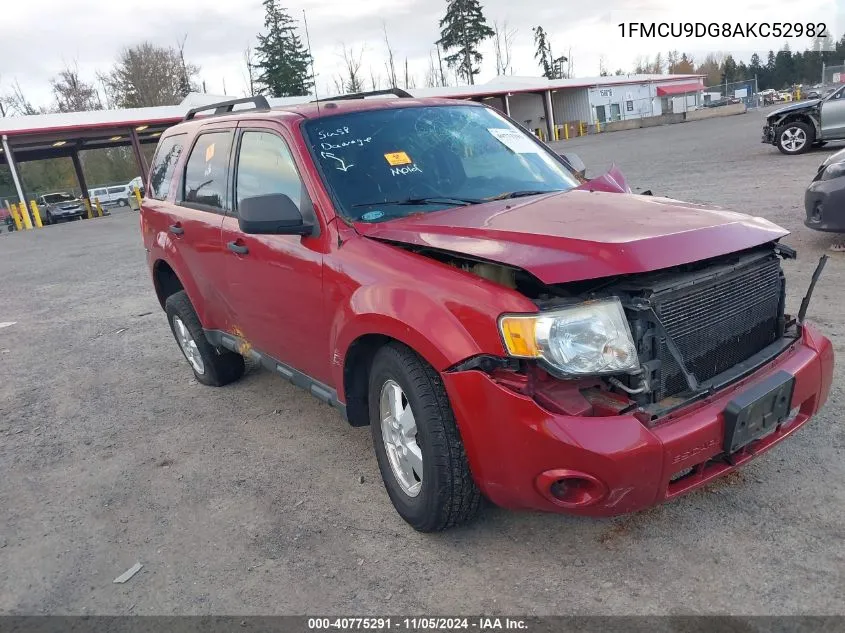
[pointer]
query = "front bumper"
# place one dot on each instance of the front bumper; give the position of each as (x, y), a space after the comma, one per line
(768, 135)
(67, 214)
(513, 443)
(824, 204)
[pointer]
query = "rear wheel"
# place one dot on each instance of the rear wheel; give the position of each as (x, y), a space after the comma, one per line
(795, 137)
(123, 202)
(210, 366)
(419, 449)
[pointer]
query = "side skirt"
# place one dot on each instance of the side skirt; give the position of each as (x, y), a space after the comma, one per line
(322, 392)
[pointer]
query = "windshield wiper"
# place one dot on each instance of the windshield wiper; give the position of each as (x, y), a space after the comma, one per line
(521, 194)
(431, 200)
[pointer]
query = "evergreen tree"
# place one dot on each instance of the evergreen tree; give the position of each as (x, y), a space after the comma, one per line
(462, 29)
(544, 52)
(282, 59)
(685, 65)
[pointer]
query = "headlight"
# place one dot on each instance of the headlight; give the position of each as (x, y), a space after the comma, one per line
(834, 170)
(585, 339)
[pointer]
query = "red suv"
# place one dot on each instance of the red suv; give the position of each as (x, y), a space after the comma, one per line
(504, 327)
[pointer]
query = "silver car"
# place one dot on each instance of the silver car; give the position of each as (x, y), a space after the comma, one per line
(802, 125)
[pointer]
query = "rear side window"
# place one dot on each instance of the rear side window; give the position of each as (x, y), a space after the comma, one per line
(164, 164)
(207, 171)
(265, 166)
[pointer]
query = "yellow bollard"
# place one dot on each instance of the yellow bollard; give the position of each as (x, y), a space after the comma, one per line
(14, 209)
(27, 223)
(598, 126)
(36, 215)
(99, 207)
(566, 131)
(138, 197)
(580, 128)
(88, 208)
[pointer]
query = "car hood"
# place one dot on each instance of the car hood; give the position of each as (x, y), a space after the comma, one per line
(579, 235)
(65, 206)
(801, 105)
(838, 157)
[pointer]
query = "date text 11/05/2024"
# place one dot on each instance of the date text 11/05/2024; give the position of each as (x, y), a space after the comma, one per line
(724, 29)
(417, 623)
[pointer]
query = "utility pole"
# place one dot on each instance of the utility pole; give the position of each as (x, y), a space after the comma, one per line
(822, 72)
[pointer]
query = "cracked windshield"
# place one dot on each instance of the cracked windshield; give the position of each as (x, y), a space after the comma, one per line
(385, 164)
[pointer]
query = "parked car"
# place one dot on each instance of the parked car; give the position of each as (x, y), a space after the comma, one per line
(813, 94)
(824, 200)
(504, 325)
(797, 127)
(117, 195)
(59, 207)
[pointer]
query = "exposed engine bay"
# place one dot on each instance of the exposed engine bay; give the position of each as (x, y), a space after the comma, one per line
(696, 327)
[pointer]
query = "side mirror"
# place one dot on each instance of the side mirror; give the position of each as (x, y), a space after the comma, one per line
(574, 163)
(271, 214)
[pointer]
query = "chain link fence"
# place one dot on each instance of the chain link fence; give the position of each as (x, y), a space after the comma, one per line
(744, 91)
(833, 76)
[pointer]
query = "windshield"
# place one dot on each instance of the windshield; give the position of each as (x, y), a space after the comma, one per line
(53, 198)
(383, 164)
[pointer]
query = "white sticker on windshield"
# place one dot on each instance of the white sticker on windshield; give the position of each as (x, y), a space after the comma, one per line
(515, 140)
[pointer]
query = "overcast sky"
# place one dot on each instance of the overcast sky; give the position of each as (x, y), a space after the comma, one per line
(38, 37)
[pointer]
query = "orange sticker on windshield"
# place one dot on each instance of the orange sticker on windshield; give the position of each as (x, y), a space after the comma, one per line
(398, 158)
(209, 152)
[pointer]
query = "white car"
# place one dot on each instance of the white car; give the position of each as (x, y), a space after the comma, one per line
(109, 196)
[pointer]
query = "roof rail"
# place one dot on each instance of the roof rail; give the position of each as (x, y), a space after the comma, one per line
(396, 92)
(225, 107)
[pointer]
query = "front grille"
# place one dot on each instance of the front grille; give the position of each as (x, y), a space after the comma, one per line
(719, 322)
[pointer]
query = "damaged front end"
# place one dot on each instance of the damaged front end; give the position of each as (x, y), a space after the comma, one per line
(696, 329)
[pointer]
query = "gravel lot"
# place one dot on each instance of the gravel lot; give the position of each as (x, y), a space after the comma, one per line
(255, 498)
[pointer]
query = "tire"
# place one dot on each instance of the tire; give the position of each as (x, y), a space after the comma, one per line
(445, 495)
(210, 366)
(48, 219)
(123, 203)
(795, 138)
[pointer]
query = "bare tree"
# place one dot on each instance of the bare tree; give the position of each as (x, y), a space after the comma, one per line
(375, 79)
(389, 64)
(72, 93)
(409, 79)
(503, 44)
(432, 77)
(443, 81)
(17, 103)
(353, 81)
(249, 61)
(148, 75)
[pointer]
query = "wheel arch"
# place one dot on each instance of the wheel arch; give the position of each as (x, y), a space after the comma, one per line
(165, 281)
(799, 117)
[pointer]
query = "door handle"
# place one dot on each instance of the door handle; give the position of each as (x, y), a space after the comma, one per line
(176, 229)
(240, 249)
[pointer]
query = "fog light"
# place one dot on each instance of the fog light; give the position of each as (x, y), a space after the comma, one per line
(817, 214)
(570, 488)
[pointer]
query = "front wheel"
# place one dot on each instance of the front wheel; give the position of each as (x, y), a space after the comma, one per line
(795, 137)
(123, 202)
(210, 366)
(418, 447)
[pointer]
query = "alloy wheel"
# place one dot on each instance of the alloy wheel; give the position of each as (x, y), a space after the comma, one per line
(399, 433)
(188, 345)
(793, 138)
